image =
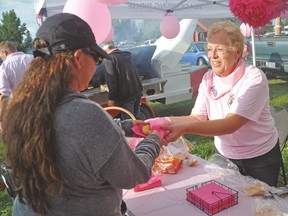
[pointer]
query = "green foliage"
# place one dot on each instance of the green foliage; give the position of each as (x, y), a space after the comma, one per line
(278, 92)
(125, 30)
(5, 199)
(11, 29)
(150, 29)
(203, 146)
(136, 31)
(175, 109)
(27, 43)
(5, 204)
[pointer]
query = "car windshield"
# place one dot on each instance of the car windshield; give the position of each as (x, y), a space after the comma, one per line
(201, 46)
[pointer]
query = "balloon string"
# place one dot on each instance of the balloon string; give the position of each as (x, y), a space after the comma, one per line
(258, 35)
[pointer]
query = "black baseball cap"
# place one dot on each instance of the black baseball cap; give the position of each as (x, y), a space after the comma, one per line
(65, 31)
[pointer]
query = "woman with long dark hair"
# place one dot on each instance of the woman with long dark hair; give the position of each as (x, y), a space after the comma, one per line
(68, 156)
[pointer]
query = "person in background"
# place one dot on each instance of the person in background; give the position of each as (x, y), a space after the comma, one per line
(68, 155)
(233, 106)
(11, 71)
(123, 81)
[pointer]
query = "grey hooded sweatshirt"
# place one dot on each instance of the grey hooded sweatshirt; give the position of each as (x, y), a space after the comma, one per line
(94, 160)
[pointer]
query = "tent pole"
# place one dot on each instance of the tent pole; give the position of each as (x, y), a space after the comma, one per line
(253, 46)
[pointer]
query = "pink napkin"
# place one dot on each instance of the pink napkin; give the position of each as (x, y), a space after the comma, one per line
(155, 181)
(155, 124)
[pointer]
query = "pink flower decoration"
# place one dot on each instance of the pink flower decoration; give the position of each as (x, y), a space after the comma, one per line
(257, 13)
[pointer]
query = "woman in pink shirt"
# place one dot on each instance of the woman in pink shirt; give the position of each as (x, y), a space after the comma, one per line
(233, 106)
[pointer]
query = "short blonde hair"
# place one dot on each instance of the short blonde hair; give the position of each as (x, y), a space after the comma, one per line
(236, 38)
(8, 46)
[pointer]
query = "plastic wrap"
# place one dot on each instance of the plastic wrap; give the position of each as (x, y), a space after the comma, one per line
(181, 149)
(267, 208)
(166, 162)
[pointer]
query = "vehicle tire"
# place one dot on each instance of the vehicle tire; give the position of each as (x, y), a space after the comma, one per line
(145, 112)
(201, 61)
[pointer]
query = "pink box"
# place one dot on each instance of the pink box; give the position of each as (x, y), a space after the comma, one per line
(212, 197)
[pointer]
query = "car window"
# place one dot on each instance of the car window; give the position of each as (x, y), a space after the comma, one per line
(202, 46)
(191, 49)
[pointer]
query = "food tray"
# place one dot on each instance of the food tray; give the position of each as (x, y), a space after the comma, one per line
(212, 197)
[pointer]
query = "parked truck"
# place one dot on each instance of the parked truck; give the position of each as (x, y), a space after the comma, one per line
(271, 55)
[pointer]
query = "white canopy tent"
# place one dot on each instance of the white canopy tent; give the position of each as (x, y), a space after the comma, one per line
(153, 9)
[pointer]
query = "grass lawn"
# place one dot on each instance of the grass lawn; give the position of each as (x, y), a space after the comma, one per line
(203, 145)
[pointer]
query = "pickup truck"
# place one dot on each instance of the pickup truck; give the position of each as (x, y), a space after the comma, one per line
(271, 55)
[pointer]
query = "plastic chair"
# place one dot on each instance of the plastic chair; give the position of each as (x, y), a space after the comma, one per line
(280, 115)
(7, 179)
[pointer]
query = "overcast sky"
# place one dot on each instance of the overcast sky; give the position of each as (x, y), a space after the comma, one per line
(24, 9)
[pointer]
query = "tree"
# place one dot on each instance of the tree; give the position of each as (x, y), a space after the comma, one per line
(150, 29)
(136, 31)
(12, 30)
(284, 22)
(27, 43)
(125, 30)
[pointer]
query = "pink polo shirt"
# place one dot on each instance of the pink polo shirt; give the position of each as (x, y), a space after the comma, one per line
(244, 92)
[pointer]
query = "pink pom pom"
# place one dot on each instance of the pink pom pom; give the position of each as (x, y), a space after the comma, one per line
(257, 13)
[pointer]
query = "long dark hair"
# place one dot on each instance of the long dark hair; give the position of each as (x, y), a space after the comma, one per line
(28, 128)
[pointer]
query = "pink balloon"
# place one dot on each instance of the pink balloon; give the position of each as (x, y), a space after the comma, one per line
(169, 26)
(245, 30)
(112, 1)
(96, 14)
(110, 35)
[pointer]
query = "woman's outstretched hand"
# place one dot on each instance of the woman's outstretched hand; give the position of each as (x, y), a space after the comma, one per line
(174, 127)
